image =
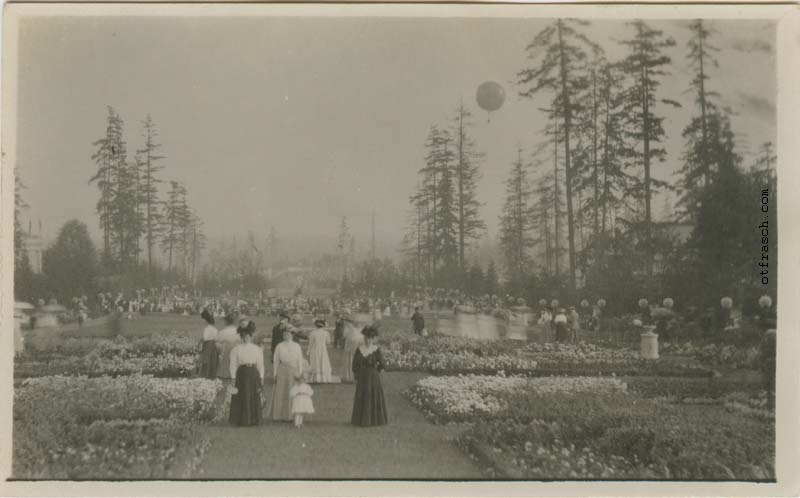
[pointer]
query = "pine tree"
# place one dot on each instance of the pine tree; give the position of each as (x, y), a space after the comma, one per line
(150, 166)
(699, 159)
(198, 243)
(517, 220)
(20, 253)
(560, 50)
(466, 174)
(107, 158)
(644, 64)
(173, 222)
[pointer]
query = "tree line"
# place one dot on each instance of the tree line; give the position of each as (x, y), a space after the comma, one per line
(578, 214)
(134, 217)
(139, 226)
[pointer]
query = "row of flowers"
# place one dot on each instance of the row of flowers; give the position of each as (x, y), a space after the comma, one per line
(481, 394)
(163, 356)
(730, 356)
(452, 355)
(123, 427)
(574, 428)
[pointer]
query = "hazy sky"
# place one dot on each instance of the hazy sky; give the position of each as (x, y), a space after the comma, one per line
(293, 123)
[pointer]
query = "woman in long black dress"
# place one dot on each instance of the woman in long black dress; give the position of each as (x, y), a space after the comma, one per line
(369, 406)
(247, 368)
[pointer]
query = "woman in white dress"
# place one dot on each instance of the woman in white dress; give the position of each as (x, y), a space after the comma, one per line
(287, 366)
(352, 339)
(318, 341)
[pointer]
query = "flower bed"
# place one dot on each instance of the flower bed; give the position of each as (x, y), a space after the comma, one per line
(124, 427)
(595, 428)
(729, 355)
(162, 356)
(456, 355)
(452, 398)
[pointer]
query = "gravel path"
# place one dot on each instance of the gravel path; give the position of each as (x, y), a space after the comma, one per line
(329, 447)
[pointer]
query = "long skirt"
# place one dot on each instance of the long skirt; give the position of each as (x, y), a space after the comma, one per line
(209, 358)
(320, 364)
(246, 403)
(562, 332)
(280, 407)
(369, 405)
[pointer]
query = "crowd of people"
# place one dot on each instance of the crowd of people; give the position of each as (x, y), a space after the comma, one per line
(238, 355)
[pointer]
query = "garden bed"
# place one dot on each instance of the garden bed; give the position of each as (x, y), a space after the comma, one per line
(600, 428)
(135, 427)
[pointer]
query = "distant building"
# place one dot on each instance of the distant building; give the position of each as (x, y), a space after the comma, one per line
(34, 246)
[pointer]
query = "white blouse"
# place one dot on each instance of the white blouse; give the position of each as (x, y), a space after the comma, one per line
(247, 354)
(289, 353)
(210, 333)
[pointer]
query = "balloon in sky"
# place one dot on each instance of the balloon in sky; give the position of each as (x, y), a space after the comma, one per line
(490, 96)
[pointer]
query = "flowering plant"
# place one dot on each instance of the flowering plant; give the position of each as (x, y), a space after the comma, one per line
(726, 303)
(643, 303)
(668, 302)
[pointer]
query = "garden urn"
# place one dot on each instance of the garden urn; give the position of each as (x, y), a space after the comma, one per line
(649, 345)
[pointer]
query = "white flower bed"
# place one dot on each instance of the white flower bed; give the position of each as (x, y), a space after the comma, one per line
(485, 394)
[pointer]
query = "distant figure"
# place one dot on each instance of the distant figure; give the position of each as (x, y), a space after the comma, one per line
(418, 321)
(561, 326)
(352, 339)
(209, 355)
(338, 333)
(277, 330)
(574, 322)
(318, 341)
(369, 405)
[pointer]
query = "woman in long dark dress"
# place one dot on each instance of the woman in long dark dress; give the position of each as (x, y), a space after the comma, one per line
(369, 406)
(247, 368)
(209, 355)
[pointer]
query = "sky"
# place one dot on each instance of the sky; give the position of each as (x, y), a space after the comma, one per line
(293, 123)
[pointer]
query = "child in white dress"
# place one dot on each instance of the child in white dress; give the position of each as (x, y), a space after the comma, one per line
(301, 393)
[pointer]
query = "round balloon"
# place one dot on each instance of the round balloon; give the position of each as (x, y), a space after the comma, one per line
(490, 96)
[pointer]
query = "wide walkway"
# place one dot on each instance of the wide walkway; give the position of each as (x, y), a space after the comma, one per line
(329, 447)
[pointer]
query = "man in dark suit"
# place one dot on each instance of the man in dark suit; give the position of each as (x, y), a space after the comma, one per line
(277, 330)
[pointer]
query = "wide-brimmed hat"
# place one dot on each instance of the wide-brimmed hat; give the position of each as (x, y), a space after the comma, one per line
(370, 331)
(319, 322)
(284, 314)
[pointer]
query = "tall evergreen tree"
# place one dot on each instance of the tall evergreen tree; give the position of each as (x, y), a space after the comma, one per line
(150, 166)
(173, 222)
(705, 127)
(466, 174)
(645, 65)
(561, 51)
(517, 220)
(109, 157)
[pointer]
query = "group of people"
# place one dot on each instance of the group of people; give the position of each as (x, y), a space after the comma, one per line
(234, 354)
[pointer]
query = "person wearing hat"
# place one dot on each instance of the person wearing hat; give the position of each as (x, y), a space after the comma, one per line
(247, 370)
(277, 330)
(318, 341)
(287, 365)
(209, 355)
(369, 405)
